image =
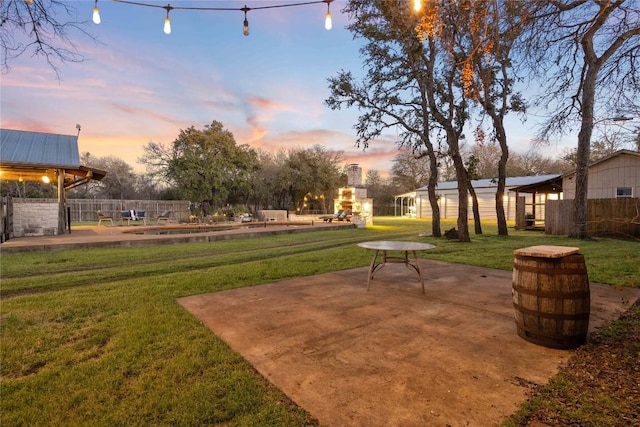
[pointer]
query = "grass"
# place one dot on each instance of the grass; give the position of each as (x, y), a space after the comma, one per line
(95, 337)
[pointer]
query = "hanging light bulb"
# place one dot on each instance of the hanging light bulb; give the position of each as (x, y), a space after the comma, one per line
(245, 26)
(96, 13)
(417, 5)
(29, 2)
(167, 21)
(327, 20)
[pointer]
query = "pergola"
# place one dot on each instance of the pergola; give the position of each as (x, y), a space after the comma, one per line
(45, 157)
(407, 201)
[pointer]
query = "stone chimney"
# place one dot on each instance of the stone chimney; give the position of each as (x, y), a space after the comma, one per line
(354, 175)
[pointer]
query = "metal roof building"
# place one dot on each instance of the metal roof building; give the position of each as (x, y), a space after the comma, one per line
(46, 157)
(485, 189)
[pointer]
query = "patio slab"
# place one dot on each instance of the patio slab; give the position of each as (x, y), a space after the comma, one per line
(392, 356)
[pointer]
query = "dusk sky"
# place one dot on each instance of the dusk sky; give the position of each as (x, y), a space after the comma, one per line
(138, 84)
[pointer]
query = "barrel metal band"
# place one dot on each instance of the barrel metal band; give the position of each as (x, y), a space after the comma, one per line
(580, 270)
(551, 294)
(565, 316)
(551, 335)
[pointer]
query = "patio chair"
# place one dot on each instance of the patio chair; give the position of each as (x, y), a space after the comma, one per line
(164, 216)
(345, 216)
(102, 217)
(330, 218)
(141, 216)
(128, 216)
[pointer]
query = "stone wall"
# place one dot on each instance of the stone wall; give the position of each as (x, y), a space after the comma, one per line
(272, 215)
(34, 219)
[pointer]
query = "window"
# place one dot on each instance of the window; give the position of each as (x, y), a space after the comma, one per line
(623, 192)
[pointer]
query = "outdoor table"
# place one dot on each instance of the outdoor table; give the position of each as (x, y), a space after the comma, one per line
(385, 246)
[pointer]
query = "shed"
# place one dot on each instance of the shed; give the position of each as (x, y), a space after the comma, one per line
(611, 177)
(46, 157)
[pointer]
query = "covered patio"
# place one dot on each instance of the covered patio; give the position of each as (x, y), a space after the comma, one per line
(41, 157)
(530, 202)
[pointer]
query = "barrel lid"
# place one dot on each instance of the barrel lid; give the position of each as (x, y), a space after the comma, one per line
(544, 251)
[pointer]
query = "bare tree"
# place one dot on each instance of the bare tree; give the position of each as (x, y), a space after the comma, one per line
(44, 28)
(408, 171)
(488, 76)
(393, 95)
(589, 51)
(534, 163)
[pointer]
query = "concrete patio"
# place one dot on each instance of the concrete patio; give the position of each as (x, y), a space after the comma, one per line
(393, 356)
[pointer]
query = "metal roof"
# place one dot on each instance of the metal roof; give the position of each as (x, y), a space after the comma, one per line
(37, 148)
(513, 181)
(35, 156)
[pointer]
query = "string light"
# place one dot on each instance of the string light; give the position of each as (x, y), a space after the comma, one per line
(245, 28)
(327, 20)
(417, 5)
(96, 13)
(167, 21)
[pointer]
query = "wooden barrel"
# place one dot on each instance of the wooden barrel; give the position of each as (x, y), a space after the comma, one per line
(552, 300)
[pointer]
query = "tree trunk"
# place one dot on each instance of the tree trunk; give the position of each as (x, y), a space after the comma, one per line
(476, 209)
(463, 185)
(583, 154)
(502, 177)
(436, 230)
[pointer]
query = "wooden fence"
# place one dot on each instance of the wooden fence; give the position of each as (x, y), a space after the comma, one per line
(605, 217)
(86, 209)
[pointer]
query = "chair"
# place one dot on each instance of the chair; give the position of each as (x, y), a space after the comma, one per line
(102, 217)
(164, 216)
(142, 216)
(345, 216)
(128, 216)
(330, 218)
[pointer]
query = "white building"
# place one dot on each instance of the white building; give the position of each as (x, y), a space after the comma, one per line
(485, 189)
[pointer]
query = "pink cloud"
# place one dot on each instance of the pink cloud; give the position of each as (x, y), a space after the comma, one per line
(146, 113)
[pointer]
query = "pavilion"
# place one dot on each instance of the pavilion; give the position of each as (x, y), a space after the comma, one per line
(42, 157)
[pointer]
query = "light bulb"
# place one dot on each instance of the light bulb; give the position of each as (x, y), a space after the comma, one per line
(417, 5)
(96, 15)
(327, 19)
(167, 25)
(245, 27)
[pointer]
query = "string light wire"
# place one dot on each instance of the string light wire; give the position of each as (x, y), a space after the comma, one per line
(245, 10)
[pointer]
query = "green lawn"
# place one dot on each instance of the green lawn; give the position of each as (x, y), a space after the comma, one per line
(95, 337)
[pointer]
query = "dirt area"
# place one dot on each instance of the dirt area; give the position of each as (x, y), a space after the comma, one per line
(600, 384)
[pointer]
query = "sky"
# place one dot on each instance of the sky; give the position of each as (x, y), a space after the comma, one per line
(138, 85)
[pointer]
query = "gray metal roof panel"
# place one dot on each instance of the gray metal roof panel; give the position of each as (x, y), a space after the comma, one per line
(19, 146)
